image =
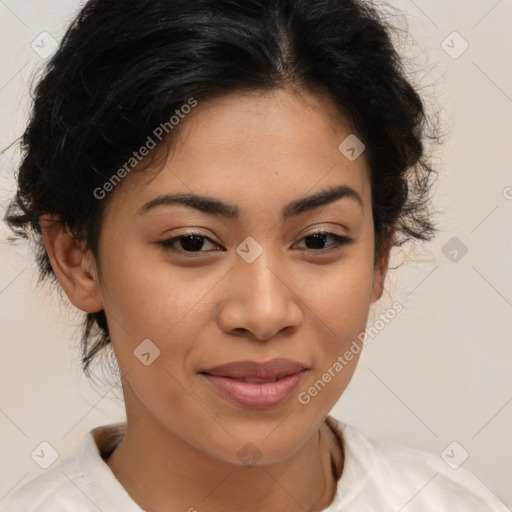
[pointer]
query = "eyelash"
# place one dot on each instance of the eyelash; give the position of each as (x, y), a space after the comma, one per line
(168, 244)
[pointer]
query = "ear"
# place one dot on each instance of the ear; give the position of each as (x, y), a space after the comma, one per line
(380, 270)
(75, 269)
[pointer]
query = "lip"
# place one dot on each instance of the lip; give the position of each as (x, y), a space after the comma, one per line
(239, 381)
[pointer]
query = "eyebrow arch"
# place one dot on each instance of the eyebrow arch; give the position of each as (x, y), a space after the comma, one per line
(216, 207)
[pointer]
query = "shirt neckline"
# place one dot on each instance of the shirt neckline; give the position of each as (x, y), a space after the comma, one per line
(108, 493)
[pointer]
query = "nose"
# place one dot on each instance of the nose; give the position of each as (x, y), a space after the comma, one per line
(259, 299)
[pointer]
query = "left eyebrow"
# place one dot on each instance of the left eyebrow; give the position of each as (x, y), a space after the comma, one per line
(216, 207)
(321, 198)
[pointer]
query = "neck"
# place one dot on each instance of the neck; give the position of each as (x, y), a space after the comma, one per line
(161, 472)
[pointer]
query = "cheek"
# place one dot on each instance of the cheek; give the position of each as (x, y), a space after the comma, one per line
(165, 305)
(341, 296)
(152, 298)
(340, 300)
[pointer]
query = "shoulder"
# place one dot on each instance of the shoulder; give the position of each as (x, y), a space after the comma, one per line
(383, 473)
(82, 482)
(56, 490)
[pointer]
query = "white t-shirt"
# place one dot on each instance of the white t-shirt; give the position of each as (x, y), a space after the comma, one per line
(377, 476)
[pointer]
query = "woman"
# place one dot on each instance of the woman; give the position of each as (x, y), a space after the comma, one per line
(218, 184)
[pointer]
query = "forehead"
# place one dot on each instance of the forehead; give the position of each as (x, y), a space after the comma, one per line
(278, 144)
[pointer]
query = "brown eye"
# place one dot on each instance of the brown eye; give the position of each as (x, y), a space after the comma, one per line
(188, 243)
(317, 241)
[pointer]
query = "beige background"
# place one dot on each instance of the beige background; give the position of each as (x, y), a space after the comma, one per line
(439, 372)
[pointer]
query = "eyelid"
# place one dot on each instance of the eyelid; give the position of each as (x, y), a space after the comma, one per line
(168, 241)
(339, 241)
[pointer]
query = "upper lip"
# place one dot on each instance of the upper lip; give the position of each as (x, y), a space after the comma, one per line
(275, 368)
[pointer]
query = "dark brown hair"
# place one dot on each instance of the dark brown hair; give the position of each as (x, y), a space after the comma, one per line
(125, 66)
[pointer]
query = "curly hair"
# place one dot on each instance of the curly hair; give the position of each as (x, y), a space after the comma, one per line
(125, 66)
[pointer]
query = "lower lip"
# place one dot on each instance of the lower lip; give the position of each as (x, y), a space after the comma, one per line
(256, 395)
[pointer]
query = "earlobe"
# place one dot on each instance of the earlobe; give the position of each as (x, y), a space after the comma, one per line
(378, 283)
(74, 267)
(380, 272)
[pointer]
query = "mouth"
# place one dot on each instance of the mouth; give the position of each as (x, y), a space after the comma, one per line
(255, 380)
(256, 385)
(265, 371)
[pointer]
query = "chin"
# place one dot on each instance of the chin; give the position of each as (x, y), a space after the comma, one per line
(253, 451)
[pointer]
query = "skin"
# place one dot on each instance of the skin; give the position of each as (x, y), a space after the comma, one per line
(259, 152)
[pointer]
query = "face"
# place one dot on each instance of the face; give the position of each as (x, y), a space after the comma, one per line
(186, 289)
